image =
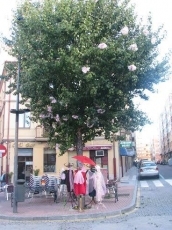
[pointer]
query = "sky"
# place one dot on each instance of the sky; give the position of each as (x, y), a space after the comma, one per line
(5, 18)
(161, 14)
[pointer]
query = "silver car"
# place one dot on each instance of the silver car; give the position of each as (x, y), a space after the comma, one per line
(148, 169)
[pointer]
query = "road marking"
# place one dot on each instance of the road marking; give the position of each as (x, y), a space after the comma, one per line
(169, 181)
(144, 184)
(134, 177)
(158, 183)
(161, 176)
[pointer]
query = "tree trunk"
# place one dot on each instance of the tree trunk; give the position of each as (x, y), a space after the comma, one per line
(79, 146)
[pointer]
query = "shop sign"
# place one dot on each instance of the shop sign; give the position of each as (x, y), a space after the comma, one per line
(126, 144)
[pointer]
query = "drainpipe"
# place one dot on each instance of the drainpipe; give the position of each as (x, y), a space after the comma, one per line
(3, 121)
(114, 159)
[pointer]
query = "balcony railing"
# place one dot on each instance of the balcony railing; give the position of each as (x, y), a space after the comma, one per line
(40, 133)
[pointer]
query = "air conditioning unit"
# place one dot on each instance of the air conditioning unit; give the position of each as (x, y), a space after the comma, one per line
(99, 153)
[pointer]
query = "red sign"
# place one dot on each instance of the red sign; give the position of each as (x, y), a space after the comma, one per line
(3, 150)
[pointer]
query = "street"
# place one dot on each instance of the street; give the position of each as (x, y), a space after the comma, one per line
(165, 171)
(153, 211)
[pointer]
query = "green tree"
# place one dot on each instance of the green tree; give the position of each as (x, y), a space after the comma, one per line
(82, 64)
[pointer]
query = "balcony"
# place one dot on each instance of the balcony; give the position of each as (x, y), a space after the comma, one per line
(40, 133)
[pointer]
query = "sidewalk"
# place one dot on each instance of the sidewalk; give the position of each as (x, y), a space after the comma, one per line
(42, 208)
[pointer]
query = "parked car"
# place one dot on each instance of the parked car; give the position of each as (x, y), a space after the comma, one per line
(141, 161)
(163, 162)
(170, 161)
(148, 169)
(158, 162)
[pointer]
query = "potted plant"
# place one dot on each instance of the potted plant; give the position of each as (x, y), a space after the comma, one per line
(9, 177)
(36, 172)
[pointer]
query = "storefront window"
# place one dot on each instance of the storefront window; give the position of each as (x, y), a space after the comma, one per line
(49, 160)
(20, 158)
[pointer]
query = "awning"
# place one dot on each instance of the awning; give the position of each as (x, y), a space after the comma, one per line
(97, 147)
(128, 152)
(93, 147)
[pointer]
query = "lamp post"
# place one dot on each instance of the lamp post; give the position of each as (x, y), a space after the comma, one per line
(16, 112)
(113, 146)
(114, 160)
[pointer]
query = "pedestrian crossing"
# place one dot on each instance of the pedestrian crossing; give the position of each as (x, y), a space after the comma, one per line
(169, 181)
(156, 183)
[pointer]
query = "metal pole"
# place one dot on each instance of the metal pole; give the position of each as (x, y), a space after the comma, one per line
(16, 140)
(114, 160)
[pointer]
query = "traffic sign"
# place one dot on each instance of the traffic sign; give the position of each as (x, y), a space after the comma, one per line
(3, 151)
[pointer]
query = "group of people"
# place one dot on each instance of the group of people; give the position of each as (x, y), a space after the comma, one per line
(84, 181)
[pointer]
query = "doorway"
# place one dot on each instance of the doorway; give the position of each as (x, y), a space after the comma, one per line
(25, 163)
(21, 170)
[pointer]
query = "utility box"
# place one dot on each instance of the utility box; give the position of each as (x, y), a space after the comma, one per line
(20, 190)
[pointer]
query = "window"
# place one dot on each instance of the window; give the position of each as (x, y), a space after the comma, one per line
(148, 164)
(99, 153)
(49, 160)
(24, 120)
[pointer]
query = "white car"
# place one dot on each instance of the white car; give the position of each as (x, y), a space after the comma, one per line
(148, 169)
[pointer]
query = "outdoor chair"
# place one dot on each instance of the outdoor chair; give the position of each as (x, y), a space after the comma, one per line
(34, 185)
(51, 187)
(63, 193)
(1, 188)
(44, 183)
(8, 190)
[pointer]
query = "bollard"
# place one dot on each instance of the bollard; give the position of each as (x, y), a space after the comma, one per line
(81, 203)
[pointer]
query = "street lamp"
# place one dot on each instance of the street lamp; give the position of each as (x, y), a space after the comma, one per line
(16, 111)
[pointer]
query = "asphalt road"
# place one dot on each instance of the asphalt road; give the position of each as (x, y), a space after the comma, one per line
(124, 223)
(165, 171)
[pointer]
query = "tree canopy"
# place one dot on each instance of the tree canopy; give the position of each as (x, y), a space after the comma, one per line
(82, 63)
